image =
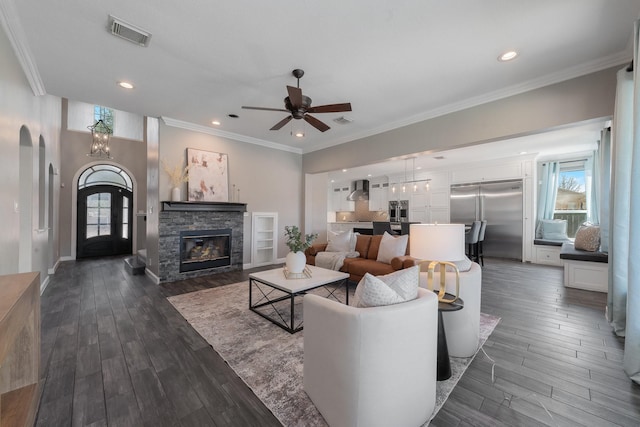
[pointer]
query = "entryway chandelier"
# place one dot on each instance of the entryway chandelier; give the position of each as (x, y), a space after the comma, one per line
(100, 135)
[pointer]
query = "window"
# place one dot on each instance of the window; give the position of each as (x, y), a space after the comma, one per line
(104, 175)
(571, 201)
(103, 113)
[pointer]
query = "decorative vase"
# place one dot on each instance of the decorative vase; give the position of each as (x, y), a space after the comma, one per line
(175, 194)
(295, 262)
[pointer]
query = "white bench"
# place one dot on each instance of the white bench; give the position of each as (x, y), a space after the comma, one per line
(585, 270)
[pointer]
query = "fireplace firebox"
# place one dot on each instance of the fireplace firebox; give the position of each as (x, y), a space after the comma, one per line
(202, 249)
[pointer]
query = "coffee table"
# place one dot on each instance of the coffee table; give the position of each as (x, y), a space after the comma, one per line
(273, 287)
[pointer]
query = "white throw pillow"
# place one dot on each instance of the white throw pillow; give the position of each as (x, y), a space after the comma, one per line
(391, 247)
(393, 288)
(341, 242)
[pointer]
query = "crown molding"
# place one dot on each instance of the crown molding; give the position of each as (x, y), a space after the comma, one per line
(230, 135)
(600, 64)
(10, 21)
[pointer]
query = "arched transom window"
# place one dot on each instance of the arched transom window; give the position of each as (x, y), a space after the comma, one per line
(104, 175)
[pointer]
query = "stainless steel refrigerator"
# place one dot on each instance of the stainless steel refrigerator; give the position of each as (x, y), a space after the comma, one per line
(500, 203)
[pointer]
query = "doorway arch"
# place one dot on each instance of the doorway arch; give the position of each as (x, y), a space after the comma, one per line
(25, 202)
(104, 214)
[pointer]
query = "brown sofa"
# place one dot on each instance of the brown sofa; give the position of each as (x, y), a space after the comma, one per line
(368, 247)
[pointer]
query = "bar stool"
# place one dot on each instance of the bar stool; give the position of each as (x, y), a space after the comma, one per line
(471, 240)
(479, 250)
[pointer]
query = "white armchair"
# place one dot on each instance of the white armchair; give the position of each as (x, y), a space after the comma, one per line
(461, 327)
(371, 366)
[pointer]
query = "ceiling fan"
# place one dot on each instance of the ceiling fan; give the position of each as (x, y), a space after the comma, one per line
(299, 107)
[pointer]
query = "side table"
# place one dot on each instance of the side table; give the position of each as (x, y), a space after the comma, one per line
(444, 364)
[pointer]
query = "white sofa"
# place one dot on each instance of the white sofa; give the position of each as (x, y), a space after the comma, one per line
(461, 327)
(371, 366)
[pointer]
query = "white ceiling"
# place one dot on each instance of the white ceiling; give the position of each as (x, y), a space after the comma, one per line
(397, 62)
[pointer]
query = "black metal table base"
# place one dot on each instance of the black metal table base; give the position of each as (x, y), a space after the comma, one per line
(281, 320)
(444, 363)
(443, 371)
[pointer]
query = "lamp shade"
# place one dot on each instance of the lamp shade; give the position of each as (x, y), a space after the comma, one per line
(437, 242)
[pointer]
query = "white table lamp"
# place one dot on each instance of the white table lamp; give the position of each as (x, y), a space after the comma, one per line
(438, 244)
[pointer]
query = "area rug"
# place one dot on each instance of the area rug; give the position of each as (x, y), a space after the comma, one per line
(269, 359)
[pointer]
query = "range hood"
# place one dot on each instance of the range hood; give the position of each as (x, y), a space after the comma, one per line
(359, 190)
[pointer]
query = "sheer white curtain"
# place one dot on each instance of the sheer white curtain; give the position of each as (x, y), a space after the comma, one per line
(548, 192)
(591, 167)
(623, 305)
(603, 186)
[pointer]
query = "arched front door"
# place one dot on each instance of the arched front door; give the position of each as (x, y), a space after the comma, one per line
(105, 212)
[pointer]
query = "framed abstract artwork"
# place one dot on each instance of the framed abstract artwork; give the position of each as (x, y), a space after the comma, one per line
(208, 176)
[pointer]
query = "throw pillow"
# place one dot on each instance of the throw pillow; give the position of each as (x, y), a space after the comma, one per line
(341, 242)
(393, 288)
(587, 238)
(391, 247)
(554, 229)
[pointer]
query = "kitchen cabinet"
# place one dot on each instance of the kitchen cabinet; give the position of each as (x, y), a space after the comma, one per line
(264, 238)
(378, 196)
(429, 206)
(339, 202)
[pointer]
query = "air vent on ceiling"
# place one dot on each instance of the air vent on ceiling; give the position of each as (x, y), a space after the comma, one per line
(127, 31)
(342, 120)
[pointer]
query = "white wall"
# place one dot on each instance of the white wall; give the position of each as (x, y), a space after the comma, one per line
(41, 116)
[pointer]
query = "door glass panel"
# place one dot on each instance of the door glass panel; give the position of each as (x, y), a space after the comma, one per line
(92, 231)
(93, 200)
(98, 215)
(125, 217)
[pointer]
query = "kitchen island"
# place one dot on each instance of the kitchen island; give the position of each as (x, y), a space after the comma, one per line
(362, 227)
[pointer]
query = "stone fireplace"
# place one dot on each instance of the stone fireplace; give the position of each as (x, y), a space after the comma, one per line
(200, 238)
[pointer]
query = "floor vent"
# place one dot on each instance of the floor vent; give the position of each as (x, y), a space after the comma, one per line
(130, 32)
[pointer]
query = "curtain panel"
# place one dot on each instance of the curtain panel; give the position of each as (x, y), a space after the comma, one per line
(548, 193)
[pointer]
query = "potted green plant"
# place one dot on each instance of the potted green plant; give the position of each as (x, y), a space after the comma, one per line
(297, 243)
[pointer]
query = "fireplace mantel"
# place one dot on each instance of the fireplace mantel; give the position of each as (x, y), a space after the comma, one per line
(203, 206)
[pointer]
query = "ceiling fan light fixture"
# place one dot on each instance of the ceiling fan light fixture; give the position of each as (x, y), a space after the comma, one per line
(299, 134)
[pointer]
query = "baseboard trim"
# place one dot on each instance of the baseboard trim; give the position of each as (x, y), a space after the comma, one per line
(53, 269)
(67, 258)
(152, 276)
(44, 284)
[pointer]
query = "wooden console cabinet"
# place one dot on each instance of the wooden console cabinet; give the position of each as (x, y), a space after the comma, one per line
(19, 349)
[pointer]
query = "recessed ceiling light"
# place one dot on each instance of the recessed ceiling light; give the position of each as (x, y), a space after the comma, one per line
(418, 167)
(508, 56)
(233, 116)
(215, 123)
(125, 85)
(369, 175)
(344, 170)
(523, 152)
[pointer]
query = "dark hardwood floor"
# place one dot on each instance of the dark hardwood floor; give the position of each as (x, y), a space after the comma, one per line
(115, 352)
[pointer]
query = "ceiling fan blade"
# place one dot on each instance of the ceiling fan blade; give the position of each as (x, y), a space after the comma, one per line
(265, 109)
(316, 123)
(281, 123)
(330, 108)
(295, 96)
